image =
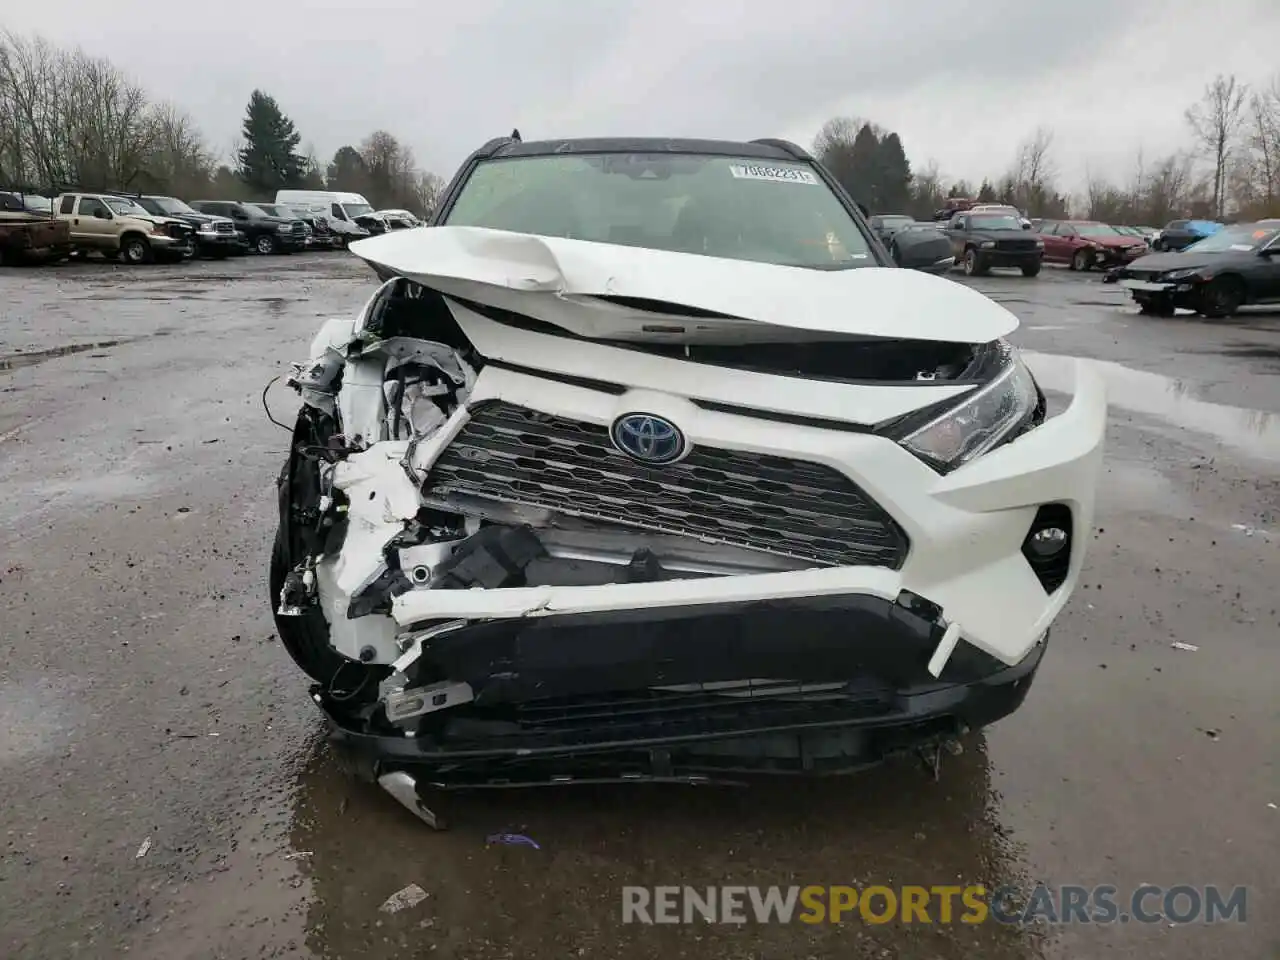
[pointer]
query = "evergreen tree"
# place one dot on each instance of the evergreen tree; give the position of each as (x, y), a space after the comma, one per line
(347, 171)
(894, 175)
(986, 192)
(269, 159)
(864, 168)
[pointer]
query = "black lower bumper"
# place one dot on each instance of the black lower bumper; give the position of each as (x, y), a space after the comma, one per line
(638, 694)
(218, 245)
(1002, 258)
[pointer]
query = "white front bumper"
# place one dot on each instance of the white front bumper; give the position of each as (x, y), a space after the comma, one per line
(1148, 287)
(966, 529)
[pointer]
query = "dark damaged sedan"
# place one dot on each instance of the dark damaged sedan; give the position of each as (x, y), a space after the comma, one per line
(639, 465)
(1237, 266)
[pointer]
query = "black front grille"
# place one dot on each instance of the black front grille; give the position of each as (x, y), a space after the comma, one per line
(224, 227)
(1016, 245)
(775, 504)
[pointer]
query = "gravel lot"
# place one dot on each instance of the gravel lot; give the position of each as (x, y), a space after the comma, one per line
(142, 693)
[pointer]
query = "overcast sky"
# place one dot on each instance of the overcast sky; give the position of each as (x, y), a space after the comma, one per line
(962, 83)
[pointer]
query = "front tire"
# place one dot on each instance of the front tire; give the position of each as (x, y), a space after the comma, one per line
(266, 245)
(1221, 297)
(1081, 260)
(135, 250)
(1031, 270)
(1156, 307)
(973, 264)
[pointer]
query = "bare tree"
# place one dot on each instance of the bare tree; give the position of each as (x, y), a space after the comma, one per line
(928, 192)
(178, 160)
(69, 118)
(1258, 178)
(1169, 192)
(1035, 160)
(427, 188)
(1216, 122)
(836, 134)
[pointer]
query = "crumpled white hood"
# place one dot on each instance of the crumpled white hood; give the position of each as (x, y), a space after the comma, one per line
(864, 301)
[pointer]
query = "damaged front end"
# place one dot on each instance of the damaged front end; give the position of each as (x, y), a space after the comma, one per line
(531, 532)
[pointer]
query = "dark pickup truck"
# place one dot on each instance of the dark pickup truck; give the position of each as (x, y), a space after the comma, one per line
(267, 234)
(29, 235)
(981, 241)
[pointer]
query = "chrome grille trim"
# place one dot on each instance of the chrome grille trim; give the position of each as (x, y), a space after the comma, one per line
(775, 504)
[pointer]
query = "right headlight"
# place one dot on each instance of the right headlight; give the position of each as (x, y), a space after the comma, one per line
(978, 422)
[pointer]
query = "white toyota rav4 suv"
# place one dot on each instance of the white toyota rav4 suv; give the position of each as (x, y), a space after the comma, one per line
(645, 462)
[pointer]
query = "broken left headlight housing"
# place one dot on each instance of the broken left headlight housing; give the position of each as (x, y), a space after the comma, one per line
(980, 421)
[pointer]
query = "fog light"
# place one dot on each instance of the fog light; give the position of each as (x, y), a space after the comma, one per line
(1045, 543)
(1047, 546)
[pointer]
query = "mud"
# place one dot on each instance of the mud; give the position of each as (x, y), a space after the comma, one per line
(143, 693)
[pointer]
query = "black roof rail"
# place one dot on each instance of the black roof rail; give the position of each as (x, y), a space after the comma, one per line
(800, 153)
(494, 145)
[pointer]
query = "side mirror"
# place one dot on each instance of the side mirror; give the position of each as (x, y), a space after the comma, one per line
(1026, 226)
(239, 215)
(102, 214)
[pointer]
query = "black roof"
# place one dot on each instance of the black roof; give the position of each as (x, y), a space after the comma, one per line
(755, 149)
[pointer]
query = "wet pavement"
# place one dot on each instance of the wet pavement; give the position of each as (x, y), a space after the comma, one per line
(143, 696)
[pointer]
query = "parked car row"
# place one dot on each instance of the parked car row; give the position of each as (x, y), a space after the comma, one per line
(141, 228)
(1192, 264)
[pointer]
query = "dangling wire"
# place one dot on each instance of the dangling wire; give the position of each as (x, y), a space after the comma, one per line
(270, 384)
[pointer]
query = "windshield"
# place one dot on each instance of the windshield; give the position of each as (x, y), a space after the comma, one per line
(354, 210)
(39, 204)
(273, 210)
(777, 212)
(128, 207)
(995, 221)
(1096, 230)
(1242, 238)
(172, 205)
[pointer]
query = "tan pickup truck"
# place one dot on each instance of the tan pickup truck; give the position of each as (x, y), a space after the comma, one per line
(29, 234)
(117, 227)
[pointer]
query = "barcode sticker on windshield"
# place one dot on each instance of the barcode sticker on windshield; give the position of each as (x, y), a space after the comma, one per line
(753, 171)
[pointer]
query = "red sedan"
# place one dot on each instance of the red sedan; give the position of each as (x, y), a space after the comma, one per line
(1085, 244)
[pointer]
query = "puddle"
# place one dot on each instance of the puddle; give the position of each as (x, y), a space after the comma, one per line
(13, 361)
(1254, 432)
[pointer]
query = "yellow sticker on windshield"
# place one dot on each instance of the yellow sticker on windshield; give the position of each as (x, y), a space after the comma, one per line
(755, 171)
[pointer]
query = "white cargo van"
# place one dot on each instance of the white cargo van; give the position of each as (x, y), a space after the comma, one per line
(349, 215)
(342, 206)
